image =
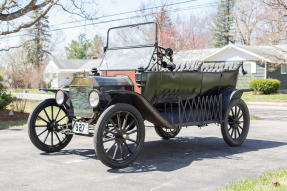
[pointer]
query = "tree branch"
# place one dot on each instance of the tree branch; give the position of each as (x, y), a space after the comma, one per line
(13, 47)
(31, 6)
(27, 25)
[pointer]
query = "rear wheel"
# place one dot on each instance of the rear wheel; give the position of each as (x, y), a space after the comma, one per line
(119, 135)
(45, 124)
(235, 127)
(166, 133)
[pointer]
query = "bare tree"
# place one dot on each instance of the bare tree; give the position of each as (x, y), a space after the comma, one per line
(278, 4)
(247, 17)
(13, 14)
(274, 27)
(193, 32)
(179, 33)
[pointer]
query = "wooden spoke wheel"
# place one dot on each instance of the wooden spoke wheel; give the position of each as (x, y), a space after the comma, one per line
(235, 127)
(167, 133)
(45, 124)
(119, 135)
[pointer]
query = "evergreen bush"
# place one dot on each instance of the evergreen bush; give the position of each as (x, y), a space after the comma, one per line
(266, 86)
(5, 98)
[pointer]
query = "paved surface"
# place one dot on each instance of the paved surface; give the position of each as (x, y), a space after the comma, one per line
(269, 110)
(197, 160)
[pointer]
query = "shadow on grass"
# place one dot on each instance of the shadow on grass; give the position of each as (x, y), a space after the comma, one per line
(177, 153)
(12, 124)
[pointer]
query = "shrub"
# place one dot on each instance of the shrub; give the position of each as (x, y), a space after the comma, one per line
(266, 86)
(5, 98)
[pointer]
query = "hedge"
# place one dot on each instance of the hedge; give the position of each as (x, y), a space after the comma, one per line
(266, 86)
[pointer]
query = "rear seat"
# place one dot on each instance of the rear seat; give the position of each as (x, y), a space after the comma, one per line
(189, 66)
(200, 66)
(220, 66)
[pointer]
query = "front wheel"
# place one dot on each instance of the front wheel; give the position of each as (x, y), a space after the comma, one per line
(45, 124)
(235, 126)
(119, 135)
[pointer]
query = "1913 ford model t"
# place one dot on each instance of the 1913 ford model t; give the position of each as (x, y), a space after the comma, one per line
(170, 96)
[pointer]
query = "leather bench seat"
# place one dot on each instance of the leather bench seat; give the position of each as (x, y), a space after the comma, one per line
(199, 66)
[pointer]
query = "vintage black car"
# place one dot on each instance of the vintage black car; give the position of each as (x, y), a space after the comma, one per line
(171, 96)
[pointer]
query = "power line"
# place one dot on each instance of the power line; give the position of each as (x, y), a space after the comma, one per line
(128, 12)
(133, 17)
(116, 14)
(125, 18)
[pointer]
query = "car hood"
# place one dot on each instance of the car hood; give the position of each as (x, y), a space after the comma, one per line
(103, 82)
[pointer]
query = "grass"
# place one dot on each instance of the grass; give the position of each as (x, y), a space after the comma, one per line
(18, 123)
(254, 117)
(28, 109)
(270, 181)
(30, 105)
(12, 124)
(249, 96)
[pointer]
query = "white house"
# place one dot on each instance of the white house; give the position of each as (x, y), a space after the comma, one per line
(60, 72)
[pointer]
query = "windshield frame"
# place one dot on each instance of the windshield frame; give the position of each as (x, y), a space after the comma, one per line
(133, 46)
(106, 48)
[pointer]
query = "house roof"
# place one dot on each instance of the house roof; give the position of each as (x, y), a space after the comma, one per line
(193, 55)
(271, 54)
(90, 64)
(274, 54)
(69, 63)
(76, 65)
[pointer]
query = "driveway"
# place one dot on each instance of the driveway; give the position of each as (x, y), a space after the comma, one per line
(197, 160)
(269, 110)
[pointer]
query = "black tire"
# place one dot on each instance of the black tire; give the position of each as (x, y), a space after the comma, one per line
(127, 135)
(50, 125)
(167, 133)
(236, 123)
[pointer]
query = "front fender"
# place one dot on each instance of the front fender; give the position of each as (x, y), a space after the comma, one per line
(147, 111)
(68, 104)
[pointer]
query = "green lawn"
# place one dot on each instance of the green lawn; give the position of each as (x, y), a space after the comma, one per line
(28, 109)
(271, 181)
(12, 124)
(254, 117)
(249, 96)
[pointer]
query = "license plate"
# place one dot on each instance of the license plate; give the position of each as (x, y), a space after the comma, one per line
(81, 128)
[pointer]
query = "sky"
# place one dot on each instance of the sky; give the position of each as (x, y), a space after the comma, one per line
(62, 38)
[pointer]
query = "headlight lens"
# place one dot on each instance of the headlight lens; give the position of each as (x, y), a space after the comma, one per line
(94, 98)
(60, 97)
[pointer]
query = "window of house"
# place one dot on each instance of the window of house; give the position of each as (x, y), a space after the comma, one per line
(283, 68)
(250, 67)
(253, 67)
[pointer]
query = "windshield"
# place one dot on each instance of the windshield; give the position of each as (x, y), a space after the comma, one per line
(132, 36)
(129, 47)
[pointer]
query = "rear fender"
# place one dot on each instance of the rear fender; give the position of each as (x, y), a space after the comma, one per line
(230, 94)
(147, 111)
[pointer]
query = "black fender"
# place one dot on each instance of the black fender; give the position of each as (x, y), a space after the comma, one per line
(228, 95)
(147, 111)
(68, 104)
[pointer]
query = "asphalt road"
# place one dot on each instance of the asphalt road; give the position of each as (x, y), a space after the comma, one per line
(197, 160)
(269, 110)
